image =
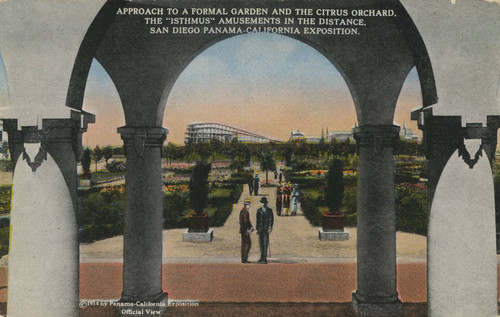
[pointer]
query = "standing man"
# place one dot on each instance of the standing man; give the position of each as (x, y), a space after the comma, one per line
(281, 176)
(256, 184)
(250, 185)
(265, 220)
(245, 229)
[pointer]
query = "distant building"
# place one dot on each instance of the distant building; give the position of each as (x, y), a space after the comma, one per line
(297, 135)
(337, 135)
(407, 134)
(205, 131)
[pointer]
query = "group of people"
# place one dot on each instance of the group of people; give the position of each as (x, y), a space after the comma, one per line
(287, 198)
(253, 185)
(265, 221)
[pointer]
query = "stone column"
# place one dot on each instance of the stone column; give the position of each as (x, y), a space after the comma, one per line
(44, 247)
(142, 245)
(461, 253)
(376, 294)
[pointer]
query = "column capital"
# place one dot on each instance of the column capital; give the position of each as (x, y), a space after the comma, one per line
(448, 132)
(153, 136)
(141, 138)
(376, 136)
(52, 131)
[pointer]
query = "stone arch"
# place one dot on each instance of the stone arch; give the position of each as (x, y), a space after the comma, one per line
(402, 44)
(144, 68)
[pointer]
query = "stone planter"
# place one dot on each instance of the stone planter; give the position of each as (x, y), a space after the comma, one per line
(333, 228)
(198, 222)
(333, 222)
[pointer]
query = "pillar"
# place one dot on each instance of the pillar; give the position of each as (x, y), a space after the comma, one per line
(142, 245)
(44, 247)
(376, 293)
(461, 257)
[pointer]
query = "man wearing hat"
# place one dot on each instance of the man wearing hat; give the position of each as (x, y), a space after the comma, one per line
(265, 220)
(245, 229)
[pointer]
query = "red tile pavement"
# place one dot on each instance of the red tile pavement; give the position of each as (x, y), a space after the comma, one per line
(304, 282)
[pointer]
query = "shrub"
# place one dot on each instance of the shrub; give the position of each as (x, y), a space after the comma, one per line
(236, 193)
(103, 214)
(220, 196)
(307, 182)
(174, 205)
(411, 209)
(115, 166)
(5, 199)
(6, 166)
(220, 215)
(310, 201)
(86, 159)
(350, 207)
(4, 241)
(334, 189)
(198, 186)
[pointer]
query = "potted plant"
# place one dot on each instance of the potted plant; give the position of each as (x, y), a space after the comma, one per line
(198, 196)
(333, 218)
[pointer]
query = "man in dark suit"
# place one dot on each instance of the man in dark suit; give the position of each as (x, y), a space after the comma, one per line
(245, 229)
(265, 220)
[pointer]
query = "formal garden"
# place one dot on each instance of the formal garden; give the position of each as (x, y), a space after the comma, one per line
(103, 203)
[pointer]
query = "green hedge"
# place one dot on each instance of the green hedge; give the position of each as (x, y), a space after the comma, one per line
(5, 199)
(411, 211)
(4, 241)
(311, 200)
(6, 166)
(175, 204)
(220, 215)
(307, 182)
(102, 215)
(411, 208)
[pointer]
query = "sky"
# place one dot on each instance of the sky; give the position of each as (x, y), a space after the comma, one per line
(264, 83)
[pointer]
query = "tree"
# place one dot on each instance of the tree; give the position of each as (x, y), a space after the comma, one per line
(107, 152)
(215, 147)
(198, 186)
(86, 159)
(334, 189)
(204, 150)
(97, 155)
(267, 163)
(170, 151)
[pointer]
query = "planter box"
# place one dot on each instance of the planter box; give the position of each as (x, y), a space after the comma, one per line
(199, 237)
(333, 222)
(198, 223)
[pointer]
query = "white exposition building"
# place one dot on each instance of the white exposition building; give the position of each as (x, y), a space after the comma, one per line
(205, 131)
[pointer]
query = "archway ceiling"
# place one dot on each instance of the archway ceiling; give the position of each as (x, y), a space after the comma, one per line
(144, 67)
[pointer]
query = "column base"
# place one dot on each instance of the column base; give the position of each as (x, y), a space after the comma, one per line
(377, 307)
(144, 308)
